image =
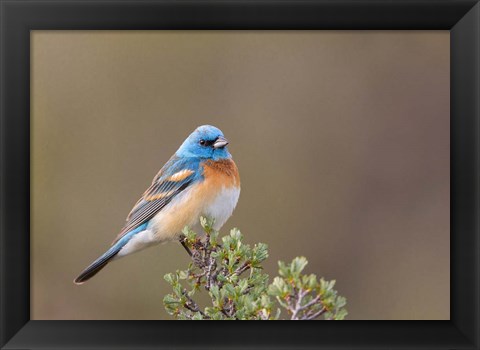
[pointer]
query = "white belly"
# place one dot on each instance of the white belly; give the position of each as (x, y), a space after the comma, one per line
(169, 222)
(222, 206)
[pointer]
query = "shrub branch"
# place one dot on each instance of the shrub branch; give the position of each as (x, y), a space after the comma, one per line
(221, 270)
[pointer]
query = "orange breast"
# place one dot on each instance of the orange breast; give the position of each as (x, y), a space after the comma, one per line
(221, 173)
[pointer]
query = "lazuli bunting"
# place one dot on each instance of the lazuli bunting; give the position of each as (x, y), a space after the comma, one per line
(200, 179)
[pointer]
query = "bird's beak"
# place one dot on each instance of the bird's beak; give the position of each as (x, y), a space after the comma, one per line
(220, 142)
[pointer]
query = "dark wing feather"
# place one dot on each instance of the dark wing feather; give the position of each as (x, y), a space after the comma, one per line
(161, 192)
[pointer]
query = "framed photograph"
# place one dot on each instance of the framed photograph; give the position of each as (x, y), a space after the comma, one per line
(280, 160)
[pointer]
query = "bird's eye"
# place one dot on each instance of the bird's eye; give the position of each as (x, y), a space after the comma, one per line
(202, 142)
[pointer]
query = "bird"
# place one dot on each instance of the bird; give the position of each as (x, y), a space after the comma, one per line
(200, 179)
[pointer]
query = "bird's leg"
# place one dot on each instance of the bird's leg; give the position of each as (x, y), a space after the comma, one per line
(182, 241)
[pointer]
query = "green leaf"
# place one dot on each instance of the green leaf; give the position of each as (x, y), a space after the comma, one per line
(282, 269)
(341, 302)
(341, 315)
(170, 278)
(197, 316)
(215, 292)
(229, 290)
(297, 265)
(214, 238)
(170, 299)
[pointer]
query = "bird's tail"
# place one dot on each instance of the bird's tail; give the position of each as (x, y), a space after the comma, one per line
(100, 263)
(97, 265)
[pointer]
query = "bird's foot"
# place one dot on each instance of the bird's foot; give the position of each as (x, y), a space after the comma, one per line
(182, 241)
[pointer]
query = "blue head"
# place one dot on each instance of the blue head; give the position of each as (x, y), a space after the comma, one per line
(205, 142)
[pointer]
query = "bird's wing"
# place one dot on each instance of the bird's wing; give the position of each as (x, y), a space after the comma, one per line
(175, 176)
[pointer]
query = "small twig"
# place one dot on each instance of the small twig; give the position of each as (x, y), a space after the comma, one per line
(192, 305)
(223, 311)
(298, 304)
(310, 316)
(211, 266)
(182, 241)
(264, 314)
(223, 271)
(310, 303)
(244, 267)
(246, 291)
(197, 259)
(229, 310)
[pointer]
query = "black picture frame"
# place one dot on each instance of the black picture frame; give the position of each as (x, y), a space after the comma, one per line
(19, 17)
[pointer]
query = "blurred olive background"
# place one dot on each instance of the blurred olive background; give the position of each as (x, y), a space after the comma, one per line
(341, 138)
